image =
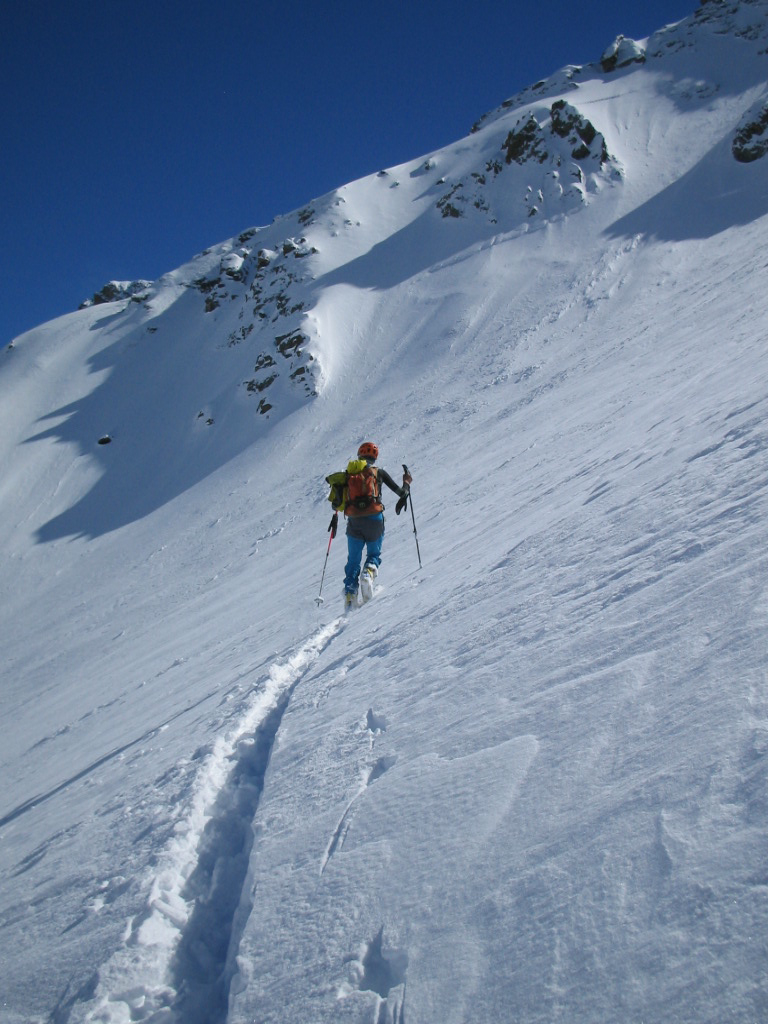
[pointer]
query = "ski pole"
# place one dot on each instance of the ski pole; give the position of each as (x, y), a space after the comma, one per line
(413, 517)
(332, 530)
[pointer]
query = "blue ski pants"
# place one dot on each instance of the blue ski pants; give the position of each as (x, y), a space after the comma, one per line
(362, 532)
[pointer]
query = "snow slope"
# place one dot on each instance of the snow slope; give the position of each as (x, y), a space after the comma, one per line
(529, 781)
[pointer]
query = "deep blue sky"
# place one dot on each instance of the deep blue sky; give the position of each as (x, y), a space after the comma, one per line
(136, 134)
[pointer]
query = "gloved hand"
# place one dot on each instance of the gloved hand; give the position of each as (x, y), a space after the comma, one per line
(402, 503)
(334, 525)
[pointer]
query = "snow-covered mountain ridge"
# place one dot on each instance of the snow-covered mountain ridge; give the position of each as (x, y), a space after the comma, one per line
(259, 288)
(526, 783)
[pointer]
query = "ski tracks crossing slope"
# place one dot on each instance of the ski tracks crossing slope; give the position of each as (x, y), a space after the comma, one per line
(174, 963)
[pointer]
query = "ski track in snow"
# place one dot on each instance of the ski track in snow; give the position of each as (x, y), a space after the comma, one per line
(173, 965)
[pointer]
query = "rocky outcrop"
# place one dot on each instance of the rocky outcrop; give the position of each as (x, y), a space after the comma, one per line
(116, 291)
(621, 53)
(751, 139)
(561, 153)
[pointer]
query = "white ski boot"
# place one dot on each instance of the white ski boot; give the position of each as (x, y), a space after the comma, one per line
(367, 579)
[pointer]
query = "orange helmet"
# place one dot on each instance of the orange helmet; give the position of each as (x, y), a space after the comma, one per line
(368, 450)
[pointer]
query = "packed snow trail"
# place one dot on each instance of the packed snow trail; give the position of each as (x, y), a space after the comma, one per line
(175, 962)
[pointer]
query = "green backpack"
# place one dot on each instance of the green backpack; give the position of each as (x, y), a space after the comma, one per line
(338, 495)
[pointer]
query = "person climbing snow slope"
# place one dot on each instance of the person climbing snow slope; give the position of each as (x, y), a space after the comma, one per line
(357, 492)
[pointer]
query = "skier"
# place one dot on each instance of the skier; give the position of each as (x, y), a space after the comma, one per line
(358, 492)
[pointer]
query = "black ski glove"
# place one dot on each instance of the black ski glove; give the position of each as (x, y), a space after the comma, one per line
(403, 503)
(334, 525)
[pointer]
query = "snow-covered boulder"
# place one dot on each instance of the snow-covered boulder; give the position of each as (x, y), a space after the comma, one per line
(232, 265)
(621, 53)
(298, 248)
(265, 257)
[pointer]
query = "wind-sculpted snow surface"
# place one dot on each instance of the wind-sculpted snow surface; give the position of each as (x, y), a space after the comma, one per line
(526, 782)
